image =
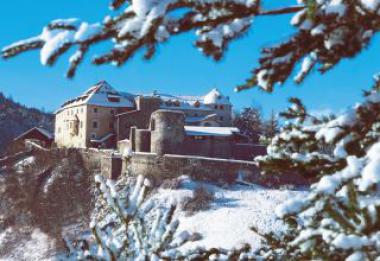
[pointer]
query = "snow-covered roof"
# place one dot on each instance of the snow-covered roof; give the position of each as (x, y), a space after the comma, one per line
(190, 102)
(215, 97)
(210, 131)
(102, 94)
(200, 119)
(182, 102)
(103, 139)
(42, 130)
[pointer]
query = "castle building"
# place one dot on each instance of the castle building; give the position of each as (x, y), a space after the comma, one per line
(89, 120)
(157, 123)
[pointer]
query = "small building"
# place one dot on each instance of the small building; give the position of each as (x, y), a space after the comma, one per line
(40, 135)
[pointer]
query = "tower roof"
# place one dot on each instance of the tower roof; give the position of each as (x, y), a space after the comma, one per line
(215, 97)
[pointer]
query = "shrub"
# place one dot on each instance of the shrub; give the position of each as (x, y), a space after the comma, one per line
(201, 200)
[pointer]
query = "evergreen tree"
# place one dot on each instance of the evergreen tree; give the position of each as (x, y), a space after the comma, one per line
(340, 218)
(249, 123)
(124, 227)
(120, 230)
(270, 129)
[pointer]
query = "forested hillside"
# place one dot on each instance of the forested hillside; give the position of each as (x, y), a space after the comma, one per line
(16, 118)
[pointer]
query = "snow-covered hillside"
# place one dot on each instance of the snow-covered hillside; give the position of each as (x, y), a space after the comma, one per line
(236, 208)
(41, 197)
(224, 224)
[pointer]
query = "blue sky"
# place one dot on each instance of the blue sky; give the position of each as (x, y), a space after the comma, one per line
(178, 67)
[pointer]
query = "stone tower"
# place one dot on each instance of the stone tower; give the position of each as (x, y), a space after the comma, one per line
(167, 132)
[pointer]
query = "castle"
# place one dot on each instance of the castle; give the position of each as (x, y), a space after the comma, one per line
(158, 123)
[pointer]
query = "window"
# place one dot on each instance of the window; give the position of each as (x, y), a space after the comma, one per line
(95, 110)
(113, 99)
(81, 124)
(216, 107)
(221, 107)
(153, 125)
(93, 135)
(195, 114)
(221, 118)
(94, 124)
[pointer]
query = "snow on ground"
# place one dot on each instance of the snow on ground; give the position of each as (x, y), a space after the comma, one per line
(34, 246)
(20, 165)
(234, 210)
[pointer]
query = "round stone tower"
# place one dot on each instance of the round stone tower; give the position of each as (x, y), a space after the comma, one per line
(167, 132)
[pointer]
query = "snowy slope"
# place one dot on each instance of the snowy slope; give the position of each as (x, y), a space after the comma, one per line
(235, 209)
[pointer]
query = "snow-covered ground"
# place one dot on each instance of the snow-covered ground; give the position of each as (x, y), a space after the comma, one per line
(21, 164)
(234, 210)
(33, 245)
(226, 224)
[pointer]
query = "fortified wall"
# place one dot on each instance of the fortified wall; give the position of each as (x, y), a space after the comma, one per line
(157, 168)
(200, 168)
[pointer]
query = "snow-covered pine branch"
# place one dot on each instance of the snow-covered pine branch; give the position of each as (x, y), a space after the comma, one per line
(340, 218)
(143, 24)
(327, 32)
(127, 226)
(122, 228)
(296, 149)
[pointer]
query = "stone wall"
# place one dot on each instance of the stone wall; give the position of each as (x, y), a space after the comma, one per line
(139, 118)
(201, 168)
(248, 151)
(209, 146)
(92, 158)
(111, 166)
(158, 168)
